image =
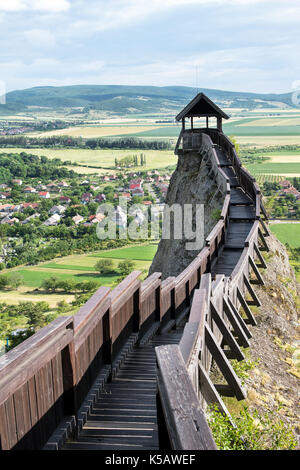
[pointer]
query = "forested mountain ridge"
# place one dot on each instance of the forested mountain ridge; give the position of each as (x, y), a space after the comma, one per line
(120, 99)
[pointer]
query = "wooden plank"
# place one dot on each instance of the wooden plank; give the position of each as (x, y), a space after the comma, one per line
(69, 379)
(224, 364)
(260, 257)
(4, 434)
(246, 308)
(167, 300)
(266, 230)
(209, 392)
(124, 291)
(16, 376)
(257, 206)
(226, 333)
(262, 239)
(98, 303)
(58, 389)
(32, 345)
(199, 306)
(189, 340)
(205, 284)
(256, 272)
(251, 291)
(11, 427)
(236, 323)
(22, 411)
(188, 428)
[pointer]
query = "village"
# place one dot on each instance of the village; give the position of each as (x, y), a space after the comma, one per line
(283, 199)
(146, 189)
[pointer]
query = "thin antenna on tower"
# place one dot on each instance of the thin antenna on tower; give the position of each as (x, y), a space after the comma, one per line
(197, 78)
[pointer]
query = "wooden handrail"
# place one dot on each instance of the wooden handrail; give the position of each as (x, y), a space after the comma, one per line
(99, 301)
(188, 428)
(22, 362)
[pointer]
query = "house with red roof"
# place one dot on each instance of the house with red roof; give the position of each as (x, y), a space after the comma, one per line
(44, 194)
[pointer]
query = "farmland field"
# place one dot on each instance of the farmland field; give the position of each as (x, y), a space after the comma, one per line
(287, 233)
(78, 268)
(98, 131)
(274, 168)
(155, 159)
(144, 252)
(261, 141)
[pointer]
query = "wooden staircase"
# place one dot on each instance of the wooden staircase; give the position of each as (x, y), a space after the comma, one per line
(125, 415)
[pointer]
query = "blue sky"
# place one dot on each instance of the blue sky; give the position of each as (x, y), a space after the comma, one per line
(238, 45)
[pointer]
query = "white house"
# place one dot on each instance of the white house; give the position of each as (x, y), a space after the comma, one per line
(77, 219)
(53, 220)
(57, 210)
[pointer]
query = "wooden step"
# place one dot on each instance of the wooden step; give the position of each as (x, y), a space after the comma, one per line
(242, 212)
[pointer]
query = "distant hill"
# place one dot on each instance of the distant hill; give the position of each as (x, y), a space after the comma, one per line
(130, 100)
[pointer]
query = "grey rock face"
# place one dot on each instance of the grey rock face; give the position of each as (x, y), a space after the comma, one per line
(190, 184)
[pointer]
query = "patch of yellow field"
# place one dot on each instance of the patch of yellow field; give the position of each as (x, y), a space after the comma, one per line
(264, 141)
(274, 121)
(89, 171)
(97, 131)
(284, 158)
(27, 294)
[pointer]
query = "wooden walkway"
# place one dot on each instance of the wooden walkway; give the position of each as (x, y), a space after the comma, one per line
(129, 368)
(241, 218)
(125, 415)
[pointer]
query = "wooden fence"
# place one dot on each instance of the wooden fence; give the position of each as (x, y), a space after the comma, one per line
(216, 328)
(45, 379)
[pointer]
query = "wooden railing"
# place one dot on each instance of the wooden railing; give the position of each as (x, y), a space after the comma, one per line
(45, 380)
(214, 321)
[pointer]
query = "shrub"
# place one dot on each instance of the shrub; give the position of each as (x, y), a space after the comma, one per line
(104, 266)
(125, 267)
(252, 432)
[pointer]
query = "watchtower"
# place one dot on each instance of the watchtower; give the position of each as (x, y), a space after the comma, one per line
(201, 106)
(190, 136)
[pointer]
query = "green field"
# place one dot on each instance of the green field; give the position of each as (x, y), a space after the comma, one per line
(155, 159)
(144, 252)
(287, 233)
(78, 268)
(274, 168)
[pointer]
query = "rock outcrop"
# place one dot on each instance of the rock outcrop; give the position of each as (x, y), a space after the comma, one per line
(274, 383)
(192, 184)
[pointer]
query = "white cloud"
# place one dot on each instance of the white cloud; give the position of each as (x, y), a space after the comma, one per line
(39, 38)
(35, 5)
(103, 15)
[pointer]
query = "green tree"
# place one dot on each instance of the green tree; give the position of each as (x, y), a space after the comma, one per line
(104, 266)
(125, 267)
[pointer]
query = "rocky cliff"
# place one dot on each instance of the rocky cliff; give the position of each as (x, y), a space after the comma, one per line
(192, 184)
(273, 384)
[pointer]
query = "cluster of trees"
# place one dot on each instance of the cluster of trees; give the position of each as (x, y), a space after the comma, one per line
(68, 286)
(10, 281)
(24, 165)
(18, 322)
(106, 266)
(79, 142)
(131, 160)
(32, 249)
